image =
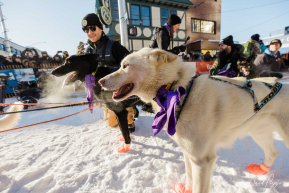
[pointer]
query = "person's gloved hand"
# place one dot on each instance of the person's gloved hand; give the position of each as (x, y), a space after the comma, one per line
(182, 48)
(226, 67)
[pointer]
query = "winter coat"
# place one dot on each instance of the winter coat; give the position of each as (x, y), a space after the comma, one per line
(208, 57)
(255, 47)
(36, 57)
(117, 50)
(269, 65)
(57, 61)
(235, 55)
(45, 60)
(161, 39)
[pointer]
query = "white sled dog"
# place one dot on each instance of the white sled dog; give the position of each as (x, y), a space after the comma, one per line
(11, 120)
(214, 115)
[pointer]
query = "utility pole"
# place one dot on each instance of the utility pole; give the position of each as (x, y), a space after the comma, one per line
(123, 24)
(5, 32)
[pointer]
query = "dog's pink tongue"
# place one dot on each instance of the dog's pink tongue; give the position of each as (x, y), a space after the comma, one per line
(118, 92)
(67, 80)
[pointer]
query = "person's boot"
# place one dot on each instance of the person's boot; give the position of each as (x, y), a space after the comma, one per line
(131, 127)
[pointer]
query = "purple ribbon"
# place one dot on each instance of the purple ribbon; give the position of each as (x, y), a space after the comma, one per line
(228, 73)
(167, 100)
(90, 82)
(168, 27)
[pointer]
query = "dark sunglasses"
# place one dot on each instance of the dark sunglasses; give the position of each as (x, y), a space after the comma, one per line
(91, 28)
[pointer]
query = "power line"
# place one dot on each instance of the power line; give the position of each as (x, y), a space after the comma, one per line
(253, 7)
(244, 8)
(261, 23)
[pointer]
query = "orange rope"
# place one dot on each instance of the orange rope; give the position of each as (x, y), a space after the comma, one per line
(50, 120)
(9, 104)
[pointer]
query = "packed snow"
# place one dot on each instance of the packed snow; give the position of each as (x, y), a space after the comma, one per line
(78, 154)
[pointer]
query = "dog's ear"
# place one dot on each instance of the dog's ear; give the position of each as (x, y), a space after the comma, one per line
(160, 56)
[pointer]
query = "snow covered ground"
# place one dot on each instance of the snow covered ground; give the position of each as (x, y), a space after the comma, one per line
(78, 154)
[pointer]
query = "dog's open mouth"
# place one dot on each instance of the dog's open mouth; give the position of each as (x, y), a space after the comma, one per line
(123, 91)
(67, 81)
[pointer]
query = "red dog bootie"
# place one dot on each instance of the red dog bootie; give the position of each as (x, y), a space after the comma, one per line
(182, 188)
(258, 169)
(120, 138)
(124, 148)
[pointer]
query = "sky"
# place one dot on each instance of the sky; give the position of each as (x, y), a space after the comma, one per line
(58, 23)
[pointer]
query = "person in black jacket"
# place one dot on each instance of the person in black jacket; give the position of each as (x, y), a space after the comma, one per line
(165, 34)
(110, 53)
(57, 59)
(270, 62)
(30, 55)
(45, 59)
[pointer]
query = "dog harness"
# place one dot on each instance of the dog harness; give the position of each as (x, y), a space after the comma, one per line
(248, 85)
(167, 100)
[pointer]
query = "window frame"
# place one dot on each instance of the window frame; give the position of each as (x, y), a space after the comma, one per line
(166, 17)
(139, 6)
(200, 20)
(149, 15)
(116, 16)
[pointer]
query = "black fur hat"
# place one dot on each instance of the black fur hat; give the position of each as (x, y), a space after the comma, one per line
(174, 19)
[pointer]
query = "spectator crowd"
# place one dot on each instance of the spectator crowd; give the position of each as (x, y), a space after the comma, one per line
(31, 59)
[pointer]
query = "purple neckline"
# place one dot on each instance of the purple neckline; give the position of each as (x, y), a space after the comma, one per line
(168, 27)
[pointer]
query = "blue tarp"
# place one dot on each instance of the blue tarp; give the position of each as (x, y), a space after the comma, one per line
(17, 75)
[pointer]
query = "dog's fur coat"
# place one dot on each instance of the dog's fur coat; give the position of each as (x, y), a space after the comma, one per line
(84, 65)
(215, 113)
(11, 120)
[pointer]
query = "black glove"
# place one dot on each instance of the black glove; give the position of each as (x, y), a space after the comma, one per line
(182, 48)
(226, 67)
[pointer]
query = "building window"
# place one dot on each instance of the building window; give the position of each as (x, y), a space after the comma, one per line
(203, 26)
(164, 16)
(13, 51)
(115, 10)
(5, 48)
(1, 46)
(145, 15)
(135, 15)
(173, 12)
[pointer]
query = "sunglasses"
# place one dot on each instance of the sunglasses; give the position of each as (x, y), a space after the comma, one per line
(91, 28)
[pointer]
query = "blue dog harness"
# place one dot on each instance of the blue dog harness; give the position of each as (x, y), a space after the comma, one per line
(248, 85)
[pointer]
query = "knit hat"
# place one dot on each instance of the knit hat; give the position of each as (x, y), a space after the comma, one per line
(276, 41)
(228, 41)
(255, 37)
(90, 20)
(174, 19)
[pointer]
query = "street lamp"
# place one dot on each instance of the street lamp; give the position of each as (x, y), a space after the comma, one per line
(35, 43)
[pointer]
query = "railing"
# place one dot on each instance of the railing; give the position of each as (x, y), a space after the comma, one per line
(11, 67)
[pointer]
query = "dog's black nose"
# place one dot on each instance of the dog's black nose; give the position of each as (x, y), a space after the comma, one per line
(101, 82)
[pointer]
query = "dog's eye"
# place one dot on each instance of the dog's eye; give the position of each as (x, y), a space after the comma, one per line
(125, 65)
